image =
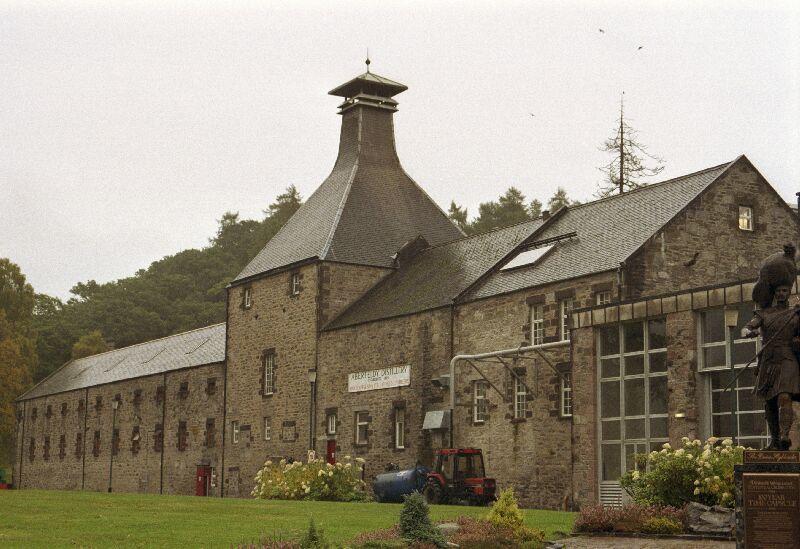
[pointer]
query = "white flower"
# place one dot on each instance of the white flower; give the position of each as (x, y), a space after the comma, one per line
(727, 442)
(712, 440)
(697, 483)
(697, 491)
(635, 475)
(666, 446)
(359, 460)
(307, 490)
(679, 452)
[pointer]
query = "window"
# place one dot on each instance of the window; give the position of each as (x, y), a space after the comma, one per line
(566, 395)
(158, 438)
(479, 401)
(115, 442)
(362, 428)
(331, 421)
(269, 373)
(288, 431)
(537, 324)
(565, 308)
(79, 445)
(62, 447)
(98, 403)
(295, 283)
(63, 409)
(235, 431)
(746, 218)
(267, 428)
(527, 257)
(520, 398)
(159, 394)
(183, 436)
(136, 441)
(248, 298)
(137, 397)
(183, 392)
(211, 433)
(211, 386)
(81, 406)
(633, 393)
(399, 428)
(46, 448)
(32, 449)
(34, 413)
(48, 413)
(96, 444)
(602, 298)
(720, 348)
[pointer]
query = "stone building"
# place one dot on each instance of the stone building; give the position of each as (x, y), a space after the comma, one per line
(340, 334)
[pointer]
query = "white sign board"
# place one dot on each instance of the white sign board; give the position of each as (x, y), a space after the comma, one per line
(384, 378)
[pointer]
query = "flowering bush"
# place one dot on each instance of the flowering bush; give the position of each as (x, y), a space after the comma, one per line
(701, 472)
(314, 480)
(629, 518)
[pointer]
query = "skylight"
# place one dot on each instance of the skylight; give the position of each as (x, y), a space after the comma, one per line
(528, 257)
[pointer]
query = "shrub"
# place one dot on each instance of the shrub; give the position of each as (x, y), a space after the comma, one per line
(415, 521)
(695, 472)
(629, 518)
(505, 513)
(661, 525)
(314, 538)
(315, 480)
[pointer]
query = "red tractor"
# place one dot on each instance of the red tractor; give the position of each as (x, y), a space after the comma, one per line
(458, 476)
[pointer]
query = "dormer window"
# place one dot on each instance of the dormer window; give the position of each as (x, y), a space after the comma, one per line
(746, 218)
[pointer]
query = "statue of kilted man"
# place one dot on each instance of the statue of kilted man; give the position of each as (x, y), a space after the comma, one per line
(778, 372)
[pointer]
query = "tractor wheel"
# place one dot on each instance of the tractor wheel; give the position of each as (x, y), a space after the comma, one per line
(432, 494)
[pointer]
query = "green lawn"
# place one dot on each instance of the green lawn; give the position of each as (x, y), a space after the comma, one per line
(34, 518)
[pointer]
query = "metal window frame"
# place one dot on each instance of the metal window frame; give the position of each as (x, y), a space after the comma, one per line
(623, 442)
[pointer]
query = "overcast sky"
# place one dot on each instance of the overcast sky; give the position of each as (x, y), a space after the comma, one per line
(127, 130)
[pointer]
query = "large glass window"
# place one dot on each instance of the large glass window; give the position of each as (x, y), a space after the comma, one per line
(720, 348)
(633, 393)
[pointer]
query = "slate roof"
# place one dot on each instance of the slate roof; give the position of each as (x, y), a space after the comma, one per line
(435, 276)
(608, 232)
(371, 82)
(366, 209)
(185, 350)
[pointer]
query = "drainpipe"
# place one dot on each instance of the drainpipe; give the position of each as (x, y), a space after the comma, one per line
(83, 451)
(312, 380)
(114, 406)
(620, 280)
(22, 443)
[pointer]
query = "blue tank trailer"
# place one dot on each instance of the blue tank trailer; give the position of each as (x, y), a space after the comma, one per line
(457, 477)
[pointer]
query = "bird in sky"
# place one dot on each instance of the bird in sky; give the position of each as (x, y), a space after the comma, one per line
(640, 47)
(530, 113)
(602, 31)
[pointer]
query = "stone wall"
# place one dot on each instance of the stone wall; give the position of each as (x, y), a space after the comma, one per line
(532, 453)
(703, 245)
(421, 341)
(89, 414)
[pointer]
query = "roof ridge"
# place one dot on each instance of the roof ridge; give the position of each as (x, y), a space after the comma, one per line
(651, 185)
(484, 233)
(149, 341)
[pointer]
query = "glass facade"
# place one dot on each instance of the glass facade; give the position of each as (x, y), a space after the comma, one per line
(633, 393)
(720, 347)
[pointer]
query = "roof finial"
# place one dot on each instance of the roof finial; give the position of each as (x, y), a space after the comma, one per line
(367, 61)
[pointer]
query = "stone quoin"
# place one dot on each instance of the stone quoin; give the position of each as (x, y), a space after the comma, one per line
(636, 299)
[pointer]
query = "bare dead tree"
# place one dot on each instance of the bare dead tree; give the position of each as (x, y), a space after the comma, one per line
(631, 161)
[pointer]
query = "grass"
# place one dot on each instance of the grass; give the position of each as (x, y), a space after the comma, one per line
(37, 518)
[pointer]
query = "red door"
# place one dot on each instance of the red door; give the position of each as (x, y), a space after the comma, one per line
(330, 452)
(202, 480)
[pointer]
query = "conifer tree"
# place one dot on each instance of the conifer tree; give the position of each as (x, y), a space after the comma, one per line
(630, 164)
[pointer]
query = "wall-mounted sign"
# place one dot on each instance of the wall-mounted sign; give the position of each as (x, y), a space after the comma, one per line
(383, 378)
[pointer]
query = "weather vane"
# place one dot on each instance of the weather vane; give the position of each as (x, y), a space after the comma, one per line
(367, 61)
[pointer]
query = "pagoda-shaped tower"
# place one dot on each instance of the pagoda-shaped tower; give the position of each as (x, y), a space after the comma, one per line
(340, 242)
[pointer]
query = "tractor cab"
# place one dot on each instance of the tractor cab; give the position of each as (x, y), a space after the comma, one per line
(459, 475)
